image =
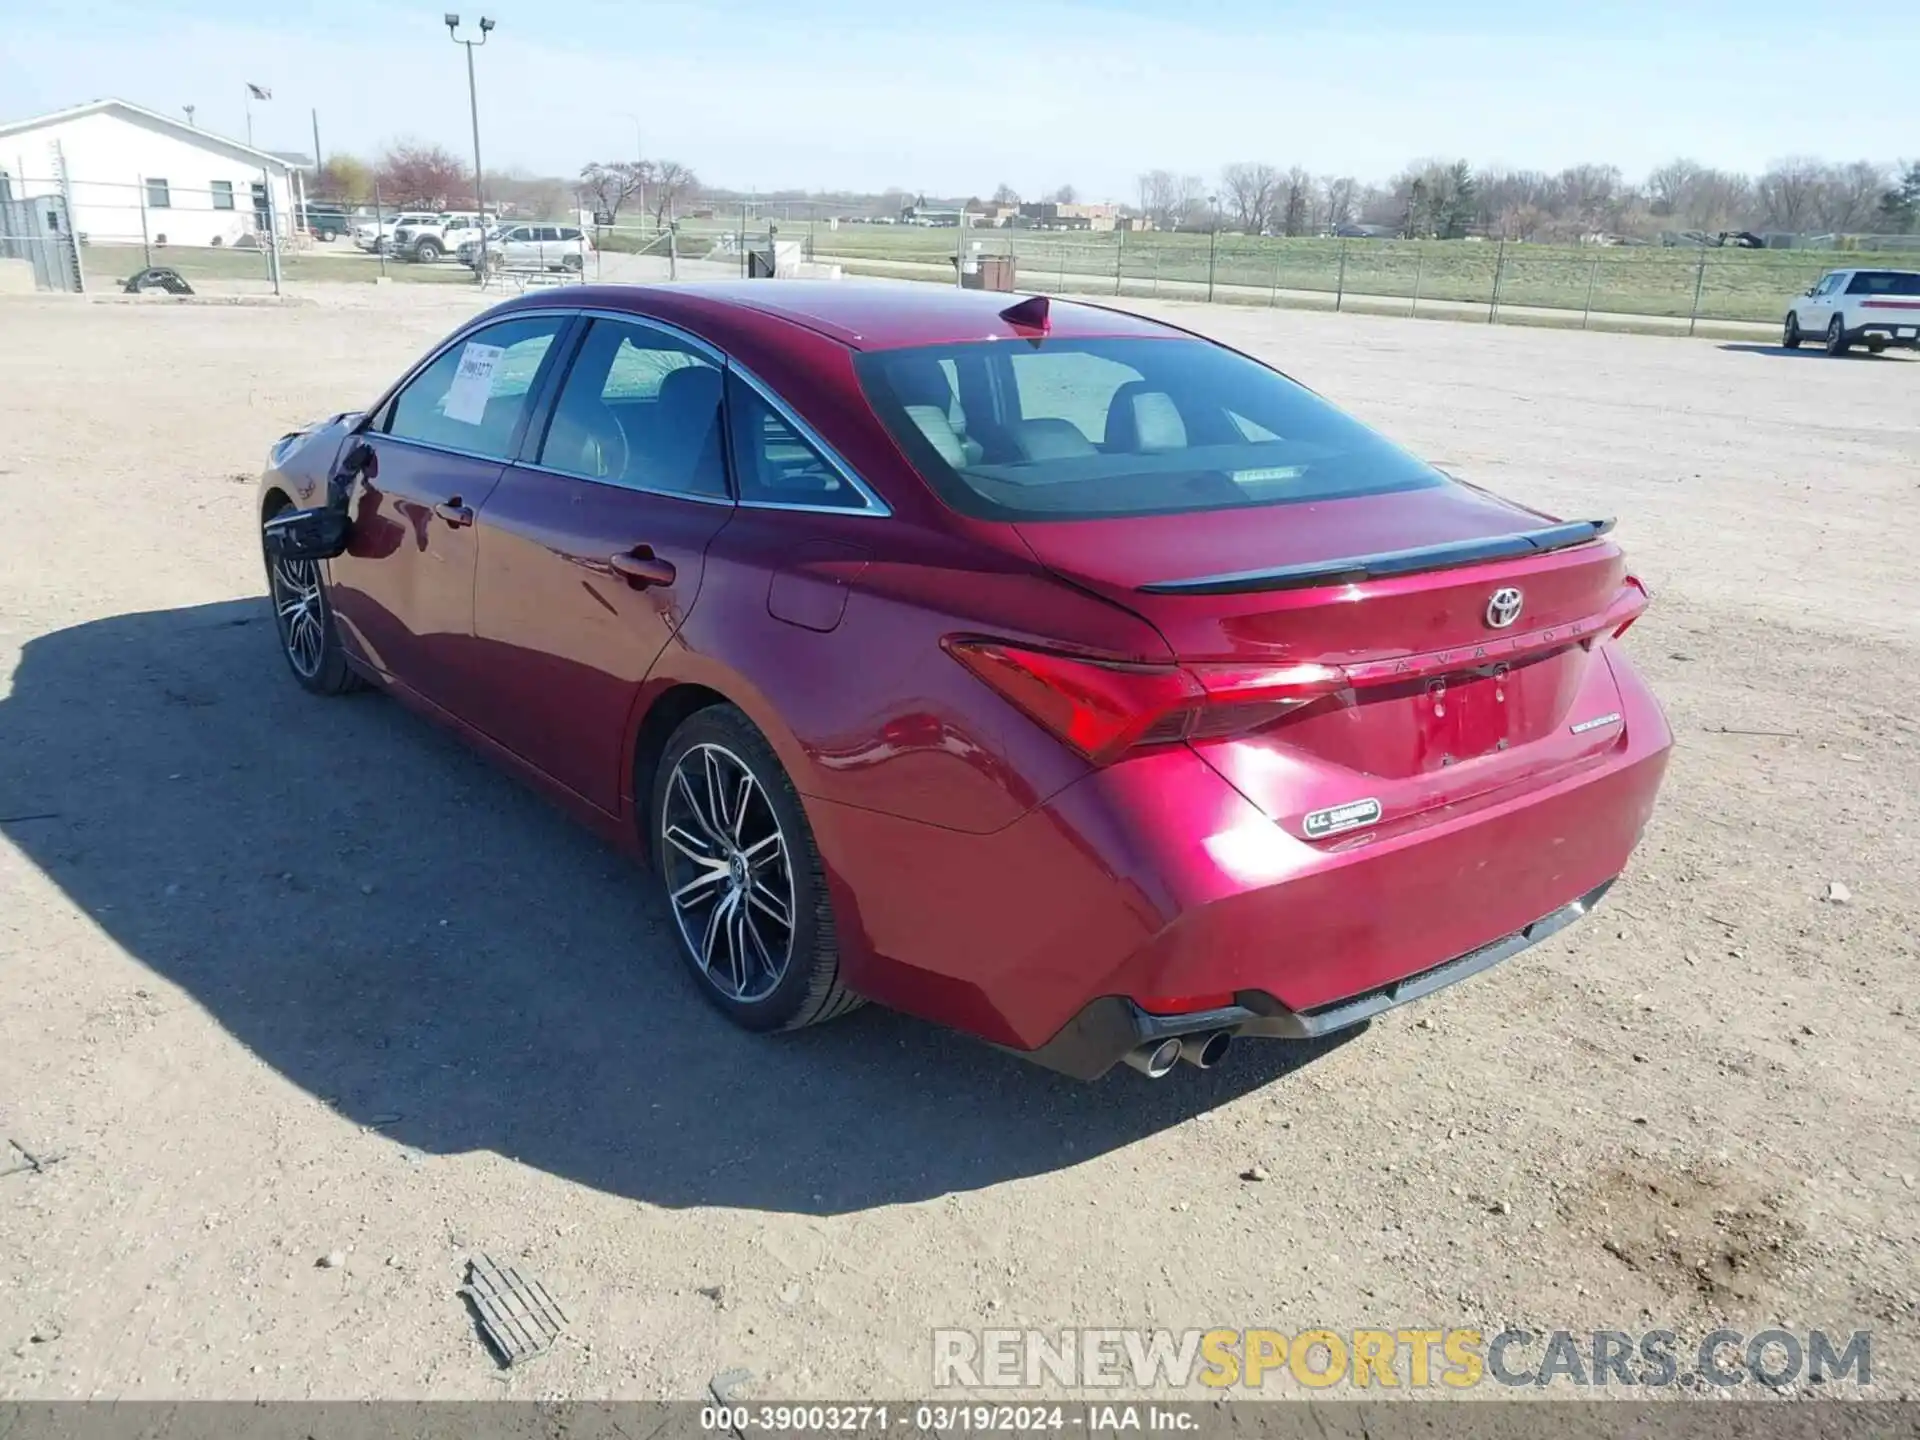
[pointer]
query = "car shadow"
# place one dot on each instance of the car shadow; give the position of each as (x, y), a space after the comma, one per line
(412, 937)
(1810, 351)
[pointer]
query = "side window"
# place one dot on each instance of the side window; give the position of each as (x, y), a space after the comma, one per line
(774, 463)
(472, 396)
(519, 234)
(159, 195)
(639, 408)
(222, 194)
(569, 235)
(1068, 385)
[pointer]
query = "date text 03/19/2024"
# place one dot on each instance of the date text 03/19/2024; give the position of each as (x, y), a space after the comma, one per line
(946, 1419)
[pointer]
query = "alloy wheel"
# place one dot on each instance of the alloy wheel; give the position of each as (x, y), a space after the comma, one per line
(728, 872)
(300, 613)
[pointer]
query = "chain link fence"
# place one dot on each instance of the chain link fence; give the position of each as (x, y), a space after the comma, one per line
(1677, 287)
(77, 232)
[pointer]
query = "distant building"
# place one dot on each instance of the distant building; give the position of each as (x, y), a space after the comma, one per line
(1054, 215)
(946, 215)
(133, 173)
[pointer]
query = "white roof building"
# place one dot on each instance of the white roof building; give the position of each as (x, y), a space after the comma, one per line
(135, 175)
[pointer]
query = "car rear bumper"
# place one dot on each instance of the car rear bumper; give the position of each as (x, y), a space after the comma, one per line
(1112, 1027)
(1156, 879)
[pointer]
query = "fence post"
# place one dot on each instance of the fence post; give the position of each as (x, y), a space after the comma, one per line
(66, 203)
(1273, 291)
(1156, 270)
(273, 234)
(1213, 256)
(1592, 274)
(1119, 258)
(380, 232)
(1340, 285)
(1499, 269)
(1419, 273)
(1699, 281)
(673, 250)
(1060, 285)
(146, 243)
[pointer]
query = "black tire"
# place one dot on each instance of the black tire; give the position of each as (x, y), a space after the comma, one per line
(807, 988)
(1790, 336)
(318, 667)
(1875, 345)
(427, 251)
(1837, 342)
(573, 263)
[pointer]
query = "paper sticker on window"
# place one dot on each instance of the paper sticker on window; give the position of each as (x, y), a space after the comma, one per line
(472, 384)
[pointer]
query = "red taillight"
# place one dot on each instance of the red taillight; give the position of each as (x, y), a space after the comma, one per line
(1635, 605)
(1103, 709)
(1184, 1004)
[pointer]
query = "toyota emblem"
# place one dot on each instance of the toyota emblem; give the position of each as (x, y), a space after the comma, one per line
(1503, 607)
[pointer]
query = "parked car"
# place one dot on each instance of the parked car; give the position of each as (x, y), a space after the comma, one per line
(1844, 308)
(370, 235)
(328, 222)
(469, 252)
(1037, 669)
(536, 247)
(436, 237)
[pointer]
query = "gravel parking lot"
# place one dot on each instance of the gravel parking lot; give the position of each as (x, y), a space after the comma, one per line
(304, 1004)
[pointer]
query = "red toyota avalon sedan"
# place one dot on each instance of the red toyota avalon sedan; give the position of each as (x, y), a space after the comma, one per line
(1039, 669)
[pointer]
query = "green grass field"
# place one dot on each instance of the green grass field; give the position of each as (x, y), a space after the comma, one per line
(1749, 285)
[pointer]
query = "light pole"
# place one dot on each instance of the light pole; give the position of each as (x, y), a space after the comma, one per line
(1213, 240)
(639, 164)
(473, 104)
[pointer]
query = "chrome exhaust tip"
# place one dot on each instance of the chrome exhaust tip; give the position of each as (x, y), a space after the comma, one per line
(1203, 1052)
(1155, 1060)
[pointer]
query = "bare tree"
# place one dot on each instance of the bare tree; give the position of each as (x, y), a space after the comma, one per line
(1190, 204)
(1250, 191)
(1064, 195)
(671, 182)
(1341, 197)
(1788, 195)
(1296, 203)
(1005, 194)
(1851, 195)
(611, 185)
(1592, 199)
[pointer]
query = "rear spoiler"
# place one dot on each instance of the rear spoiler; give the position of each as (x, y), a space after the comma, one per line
(1388, 563)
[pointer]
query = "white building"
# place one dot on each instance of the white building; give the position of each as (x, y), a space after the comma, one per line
(135, 174)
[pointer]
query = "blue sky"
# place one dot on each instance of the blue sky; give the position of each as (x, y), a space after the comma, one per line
(958, 96)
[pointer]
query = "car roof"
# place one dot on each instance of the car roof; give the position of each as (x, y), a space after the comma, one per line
(878, 315)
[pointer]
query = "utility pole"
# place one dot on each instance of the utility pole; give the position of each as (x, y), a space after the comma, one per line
(473, 105)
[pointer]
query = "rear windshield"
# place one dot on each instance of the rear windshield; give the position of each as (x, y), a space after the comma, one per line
(1079, 429)
(1885, 282)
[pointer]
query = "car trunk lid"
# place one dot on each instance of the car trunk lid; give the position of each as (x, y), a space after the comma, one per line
(1461, 631)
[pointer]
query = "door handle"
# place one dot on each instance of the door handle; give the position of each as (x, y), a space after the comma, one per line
(643, 568)
(454, 513)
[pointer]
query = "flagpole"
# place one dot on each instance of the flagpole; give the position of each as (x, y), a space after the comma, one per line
(249, 117)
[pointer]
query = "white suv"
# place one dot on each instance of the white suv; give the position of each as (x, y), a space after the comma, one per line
(437, 236)
(370, 235)
(1875, 308)
(535, 247)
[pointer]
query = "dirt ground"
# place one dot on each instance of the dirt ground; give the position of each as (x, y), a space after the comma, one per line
(361, 998)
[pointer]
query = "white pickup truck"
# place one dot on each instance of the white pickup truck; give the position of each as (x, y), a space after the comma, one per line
(1875, 308)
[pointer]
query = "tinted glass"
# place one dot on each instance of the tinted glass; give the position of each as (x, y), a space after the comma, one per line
(639, 408)
(1885, 282)
(774, 463)
(472, 397)
(1073, 429)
